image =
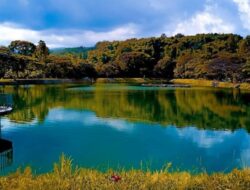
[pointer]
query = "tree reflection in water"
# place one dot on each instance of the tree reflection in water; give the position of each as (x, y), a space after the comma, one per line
(204, 108)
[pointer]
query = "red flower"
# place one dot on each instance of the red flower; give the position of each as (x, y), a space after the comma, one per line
(115, 178)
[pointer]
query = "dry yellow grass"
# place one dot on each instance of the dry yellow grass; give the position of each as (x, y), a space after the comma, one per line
(129, 80)
(65, 177)
(245, 86)
(6, 80)
(210, 83)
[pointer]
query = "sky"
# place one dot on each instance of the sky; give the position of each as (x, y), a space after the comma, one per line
(64, 23)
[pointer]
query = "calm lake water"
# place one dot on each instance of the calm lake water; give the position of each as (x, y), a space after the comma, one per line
(128, 126)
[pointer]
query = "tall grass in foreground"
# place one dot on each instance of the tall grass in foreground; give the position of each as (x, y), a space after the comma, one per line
(66, 177)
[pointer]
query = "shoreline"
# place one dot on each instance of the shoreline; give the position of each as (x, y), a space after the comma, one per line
(84, 80)
(150, 81)
(211, 83)
(39, 81)
(66, 176)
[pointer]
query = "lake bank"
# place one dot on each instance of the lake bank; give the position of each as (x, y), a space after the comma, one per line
(151, 81)
(40, 81)
(64, 176)
(85, 80)
(211, 83)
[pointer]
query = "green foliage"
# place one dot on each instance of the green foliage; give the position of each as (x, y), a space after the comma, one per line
(164, 68)
(22, 47)
(64, 67)
(135, 64)
(42, 51)
(185, 56)
(246, 68)
(80, 52)
(207, 56)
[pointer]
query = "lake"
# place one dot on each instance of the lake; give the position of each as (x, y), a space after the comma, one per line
(126, 126)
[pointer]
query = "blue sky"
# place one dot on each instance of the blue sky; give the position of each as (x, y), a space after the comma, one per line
(64, 23)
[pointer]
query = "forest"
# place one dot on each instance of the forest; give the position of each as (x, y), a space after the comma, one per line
(223, 57)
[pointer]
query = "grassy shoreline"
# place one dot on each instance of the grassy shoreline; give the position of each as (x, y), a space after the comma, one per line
(64, 176)
(211, 83)
(191, 82)
(85, 80)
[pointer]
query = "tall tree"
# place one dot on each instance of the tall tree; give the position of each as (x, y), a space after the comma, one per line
(42, 51)
(246, 68)
(22, 47)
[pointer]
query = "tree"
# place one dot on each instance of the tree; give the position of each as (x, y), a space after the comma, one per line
(246, 68)
(164, 68)
(135, 63)
(22, 47)
(42, 51)
(244, 46)
(18, 66)
(181, 63)
(224, 66)
(108, 70)
(179, 35)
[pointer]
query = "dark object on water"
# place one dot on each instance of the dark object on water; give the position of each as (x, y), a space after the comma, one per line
(5, 145)
(6, 153)
(5, 110)
(167, 85)
(115, 178)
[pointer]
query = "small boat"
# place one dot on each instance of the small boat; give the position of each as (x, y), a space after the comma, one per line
(5, 110)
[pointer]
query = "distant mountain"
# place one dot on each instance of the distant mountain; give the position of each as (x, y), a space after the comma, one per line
(78, 51)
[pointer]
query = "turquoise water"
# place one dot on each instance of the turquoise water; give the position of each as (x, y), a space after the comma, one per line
(122, 126)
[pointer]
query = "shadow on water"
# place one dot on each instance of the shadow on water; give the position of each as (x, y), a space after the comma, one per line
(6, 153)
(6, 147)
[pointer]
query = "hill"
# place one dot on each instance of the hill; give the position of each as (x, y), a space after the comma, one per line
(223, 57)
(78, 51)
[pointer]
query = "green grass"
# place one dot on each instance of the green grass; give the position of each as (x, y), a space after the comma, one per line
(64, 176)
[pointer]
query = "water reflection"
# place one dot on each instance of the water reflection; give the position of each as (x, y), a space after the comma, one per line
(6, 154)
(103, 142)
(202, 108)
(110, 125)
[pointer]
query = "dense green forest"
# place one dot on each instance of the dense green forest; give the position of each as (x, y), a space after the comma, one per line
(224, 57)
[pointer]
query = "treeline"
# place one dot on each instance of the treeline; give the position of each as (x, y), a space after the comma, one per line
(81, 52)
(22, 59)
(208, 56)
(224, 57)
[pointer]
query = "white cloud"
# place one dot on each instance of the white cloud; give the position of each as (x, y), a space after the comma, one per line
(204, 22)
(64, 38)
(244, 11)
(88, 118)
(119, 125)
(204, 138)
